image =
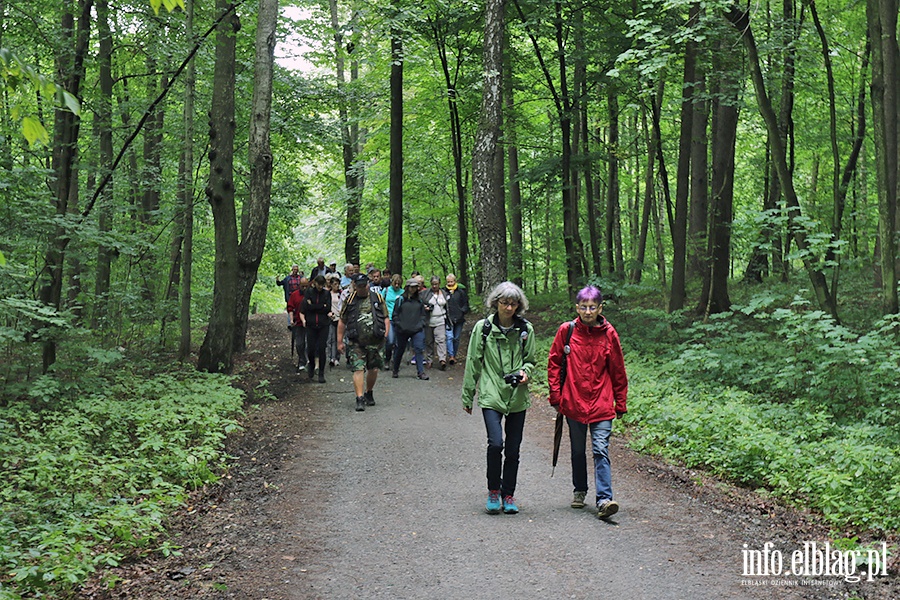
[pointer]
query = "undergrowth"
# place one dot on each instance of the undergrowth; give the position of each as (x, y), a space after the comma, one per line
(89, 472)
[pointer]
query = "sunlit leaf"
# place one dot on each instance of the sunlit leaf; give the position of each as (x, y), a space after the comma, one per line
(34, 131)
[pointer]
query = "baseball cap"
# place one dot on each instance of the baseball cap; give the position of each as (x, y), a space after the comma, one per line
(360, 278)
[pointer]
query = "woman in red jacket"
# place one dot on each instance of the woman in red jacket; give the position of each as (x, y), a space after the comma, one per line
(588, 385)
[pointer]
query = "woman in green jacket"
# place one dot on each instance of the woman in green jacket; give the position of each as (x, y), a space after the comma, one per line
(499, 363)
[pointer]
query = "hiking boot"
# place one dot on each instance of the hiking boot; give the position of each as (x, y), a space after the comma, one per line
(360, 403)
(443, 366)
(509, 505)
(493, 502)
(321, 376)
(578, 500)
(452, 360)
(370, 399)
(310, 369)
(422, 376)
(607, 508)
(395, 374)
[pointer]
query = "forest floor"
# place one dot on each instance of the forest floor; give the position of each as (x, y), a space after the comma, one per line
(321, 501)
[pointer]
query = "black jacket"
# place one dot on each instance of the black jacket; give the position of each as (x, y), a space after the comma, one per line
(457, 304)
(316, 305)
(409, 314)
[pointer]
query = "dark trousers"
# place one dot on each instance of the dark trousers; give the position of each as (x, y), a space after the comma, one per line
(502, 474)
(316, 340)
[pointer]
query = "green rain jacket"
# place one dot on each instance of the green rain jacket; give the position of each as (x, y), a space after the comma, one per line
(488, 360)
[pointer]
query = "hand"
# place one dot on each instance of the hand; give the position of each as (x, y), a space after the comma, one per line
(524, 376)
(620, 414)
(340, 347)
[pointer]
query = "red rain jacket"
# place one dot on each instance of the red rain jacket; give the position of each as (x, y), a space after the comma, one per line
(596, 386)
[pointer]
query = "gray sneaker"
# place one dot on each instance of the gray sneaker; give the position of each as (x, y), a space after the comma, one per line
(578, 500)
(607, 508)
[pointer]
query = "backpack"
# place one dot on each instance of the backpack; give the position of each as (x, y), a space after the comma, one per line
(368, 328)
(566, 350)
(520, 323)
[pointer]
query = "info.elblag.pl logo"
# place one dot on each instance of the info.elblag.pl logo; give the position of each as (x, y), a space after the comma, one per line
(815, 559)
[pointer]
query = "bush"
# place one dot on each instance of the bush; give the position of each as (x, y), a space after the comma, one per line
(795, 450)
(91, 479)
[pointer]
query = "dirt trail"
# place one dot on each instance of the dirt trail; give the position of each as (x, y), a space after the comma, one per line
(325, 502)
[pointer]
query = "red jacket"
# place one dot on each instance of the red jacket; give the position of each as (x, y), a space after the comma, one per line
(596, 386)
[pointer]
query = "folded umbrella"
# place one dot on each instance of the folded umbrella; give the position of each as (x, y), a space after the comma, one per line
(557, 437)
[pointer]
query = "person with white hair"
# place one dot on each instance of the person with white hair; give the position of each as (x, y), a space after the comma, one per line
(499, 363)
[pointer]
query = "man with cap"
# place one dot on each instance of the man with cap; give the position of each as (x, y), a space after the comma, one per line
(409, 322)
(365, 324)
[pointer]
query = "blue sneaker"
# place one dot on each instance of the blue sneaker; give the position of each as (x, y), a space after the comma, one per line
(493, 502)
(509, 505)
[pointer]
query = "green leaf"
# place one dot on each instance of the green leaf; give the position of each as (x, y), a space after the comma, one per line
(34, 131)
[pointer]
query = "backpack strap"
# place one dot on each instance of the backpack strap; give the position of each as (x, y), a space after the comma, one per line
(563, 367)
(520, 324)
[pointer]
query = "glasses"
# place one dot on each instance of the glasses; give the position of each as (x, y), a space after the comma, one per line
(509, 303)
(590, 308)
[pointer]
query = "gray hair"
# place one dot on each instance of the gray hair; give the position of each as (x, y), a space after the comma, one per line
(508, 291)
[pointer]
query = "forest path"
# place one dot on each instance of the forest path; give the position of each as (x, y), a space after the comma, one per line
(325, 502)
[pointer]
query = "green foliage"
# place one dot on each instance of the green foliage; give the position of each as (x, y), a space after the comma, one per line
(20, 83)
(794, 352)
(795, 450)
(89, 478)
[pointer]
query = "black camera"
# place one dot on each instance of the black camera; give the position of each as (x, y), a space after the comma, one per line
(513, 379)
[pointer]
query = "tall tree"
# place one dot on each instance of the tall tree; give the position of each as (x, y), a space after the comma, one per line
(395, 212)
(104, 124)
(678, 292)
(217, 351)
(66, 126)
(255, 212)
(487, 201)
(352, 175)
(881, 16)
(740, 20)
(186, 193)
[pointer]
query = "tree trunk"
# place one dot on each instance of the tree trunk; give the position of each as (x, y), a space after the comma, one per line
(105, 253)
(651, 140)
(216, 352)
(741, 21)
(678, 293)
(348, 143)
(255, 213)
(186, 192)
(70, 69)
(516, 248)
(395, 213)
(699, 203)
(487, 204)
(725, 122)
(614, 255)
(456, 142)
(882, 23)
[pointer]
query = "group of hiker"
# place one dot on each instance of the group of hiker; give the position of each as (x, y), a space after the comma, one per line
(375, 316)
(370, 319)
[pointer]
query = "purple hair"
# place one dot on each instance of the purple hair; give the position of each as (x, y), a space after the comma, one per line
(590, 293)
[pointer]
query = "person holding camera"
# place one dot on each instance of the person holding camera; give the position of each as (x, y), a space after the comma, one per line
(589, 387)
(499, 363)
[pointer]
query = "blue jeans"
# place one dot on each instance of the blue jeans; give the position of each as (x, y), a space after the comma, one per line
(418, 344)
(502, 474)
(600, 433)
(453, 334)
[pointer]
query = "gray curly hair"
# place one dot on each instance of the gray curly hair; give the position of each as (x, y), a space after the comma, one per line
(507, 290)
